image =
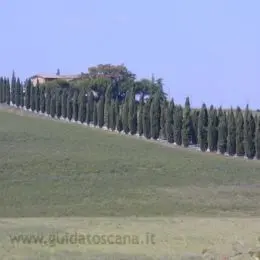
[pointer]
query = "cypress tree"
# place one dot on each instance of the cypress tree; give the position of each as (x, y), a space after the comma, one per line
(257, 138)
(95, 114)
(164, 106)
(75, 106)
(222, 132)
(251, 136)
(202, 128)
(140, 116)
(231, 138)
(90, 107)
(132, 113)
(178, 122)
(58, 102)
(239, 133)
(107, 106)
(17, 92)
(126, 113)
(246, 130)
(186, 125)
(28, 87)
(155, 116)
(113, 116)
(48, 101)
(8, 91)
(42, 99)
(32, 98)
(146, 120)
(82, 106)
(70, 105)
(212, 130)
(119, 123)
(64, 100)
(194, 126)
(2, 90)
(101, 104)
(13, 88)
(170, 122)
(53, 104)
(22, 95)
(37, 97)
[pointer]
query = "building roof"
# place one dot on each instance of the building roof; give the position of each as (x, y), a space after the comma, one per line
(54, 76)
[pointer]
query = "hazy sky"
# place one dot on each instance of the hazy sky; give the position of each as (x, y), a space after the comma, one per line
(208, 50)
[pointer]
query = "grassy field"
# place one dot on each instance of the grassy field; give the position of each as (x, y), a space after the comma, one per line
(50, 169)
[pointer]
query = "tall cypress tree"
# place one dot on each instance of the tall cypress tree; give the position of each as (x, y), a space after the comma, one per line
(1, 90)
(251, 136)
(101, 104)
(95, 114)
(42, 99)
(28, 86)
(119, 123)
(82, 106)
(132, 113)
(75, 106)
(107, 106)
(126, 113)
(194, 126)
(187, 124)
(163, 132)
(146, 120)
(58, 102)
(112, 115)
(48, 100)
(257, 138)
(212, 129)
(140, 116)
(22, 95)
(178, 123)
(70, 105)
(8, 91)
(155, 116)
(17, 92)
(64, 100)
(37, 97)
(231, 138)
(170, 122)
(222, 132)
(90, 107)
(53, 103)
(239, 133)
(13, 88)
(202, 128)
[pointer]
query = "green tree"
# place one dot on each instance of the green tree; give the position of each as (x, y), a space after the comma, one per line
(231, 138)
(163, 132)
(126, 113)
(112, 115)
(47, 100)
(70, 105)
(213, 130)
(17, 92)
(28, 86)
(95, 114)
(82, 106)
(202, 128)
(13, 88)
(42, 99)
(132, 113)
(222, 132)
(53, 104)
(8, 91)
(239, 132)
(187, 124)
(140, 116)
(155, 116)
(170, 122)
(101, 104)
(177, 127)
(250, 145)
(257, 138)
(37, 97)
(194, 126)
(64, 100)
(58, 102)
(119, 123)
(90, 107)
(32, 98)
(22, 95)
(146, 120)
(75, 106)
(107, 106)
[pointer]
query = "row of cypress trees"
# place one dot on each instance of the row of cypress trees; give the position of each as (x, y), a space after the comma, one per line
(215, 130)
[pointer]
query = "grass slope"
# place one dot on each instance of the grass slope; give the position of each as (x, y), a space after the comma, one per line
(50, 169)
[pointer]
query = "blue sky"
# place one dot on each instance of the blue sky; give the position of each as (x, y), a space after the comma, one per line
(208, 50)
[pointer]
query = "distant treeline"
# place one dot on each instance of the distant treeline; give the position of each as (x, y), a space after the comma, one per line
(110, 96)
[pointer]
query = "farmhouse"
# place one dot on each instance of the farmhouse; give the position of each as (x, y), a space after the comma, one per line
(42, 78)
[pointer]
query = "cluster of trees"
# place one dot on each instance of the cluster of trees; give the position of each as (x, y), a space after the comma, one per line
(110, 96)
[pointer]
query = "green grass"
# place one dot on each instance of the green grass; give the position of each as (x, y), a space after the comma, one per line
(50, 169)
